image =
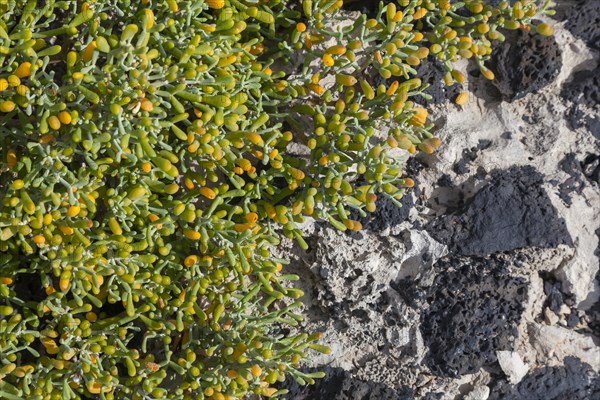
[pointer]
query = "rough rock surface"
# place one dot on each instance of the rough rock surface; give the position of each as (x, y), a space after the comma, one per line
(584, 88)
(524, 63)
(494, 254)
(512, 365)
(582, 20)
(574, 381)
(464, 293)
(512, 211)
(433, 74)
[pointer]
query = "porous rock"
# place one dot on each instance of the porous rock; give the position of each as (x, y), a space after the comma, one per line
(578, 172)
(583, 87)
(471, 311)
(432, 73)
(573, 381)
(385, 334)
(387, 215)
(525, 63)
(582, 20)
(513, 211)
(339, 384)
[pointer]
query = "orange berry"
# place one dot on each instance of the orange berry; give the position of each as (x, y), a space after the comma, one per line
(462, 98)
(23, 70)
(251, 217)
(256, 371)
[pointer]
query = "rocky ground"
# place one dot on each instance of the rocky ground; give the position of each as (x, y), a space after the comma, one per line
(486, 284)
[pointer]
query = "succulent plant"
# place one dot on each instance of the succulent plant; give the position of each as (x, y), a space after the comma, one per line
(154, 152)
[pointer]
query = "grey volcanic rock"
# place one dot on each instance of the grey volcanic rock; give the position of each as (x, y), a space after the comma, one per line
(511, 212)
(525, 63)
(573, 381)
(577, 180)
(387, 214)
(472, 310)
(591, 167)
(583, 20)
(338, 384)
(433, 74)
(584, 87)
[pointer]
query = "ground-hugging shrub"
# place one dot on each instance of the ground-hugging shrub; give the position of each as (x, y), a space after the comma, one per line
(154, 151)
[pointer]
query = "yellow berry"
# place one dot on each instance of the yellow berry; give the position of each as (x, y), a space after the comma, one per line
(39, 240)
(300, 27)
(22, 90)
(215, 4)
(488, 74)
(23, 70)
(54, 123)
(73, 211)
(328, 60)
(7, 106)
(65, 117)
(544, 29)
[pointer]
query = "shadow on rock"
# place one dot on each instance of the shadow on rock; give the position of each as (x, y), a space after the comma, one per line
(339, 385)
(513, 211)
(583, 87)
(573, 381)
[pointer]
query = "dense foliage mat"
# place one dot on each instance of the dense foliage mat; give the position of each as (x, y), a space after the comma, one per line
(154, 152)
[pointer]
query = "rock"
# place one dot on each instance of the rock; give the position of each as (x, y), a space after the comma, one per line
(564, 310)
(572, 320)
(591, 166)
(470, 312)
(432, 73)
(579, 117)
(525, 63)
(556, 343)
(583, 87)
(578, 278)
(470, 155)
(354, 269)
(555, 298)
(511, 212)
(338, 384)
(387, 215)
(573, 381)
(326, 388)
(583, 20)
(431, 301)
(480, 392)
(422, 252)
(550, 317)
(512, 365)
(576, 182)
